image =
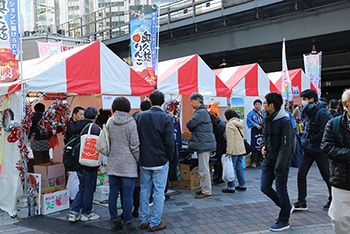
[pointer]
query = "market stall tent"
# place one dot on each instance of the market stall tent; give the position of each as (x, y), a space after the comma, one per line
(187, 75)
(299, 80)
(248, 82)
(89, 69)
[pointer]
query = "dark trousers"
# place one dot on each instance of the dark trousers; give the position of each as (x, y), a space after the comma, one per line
(136, 197)
(257, 157)
(323, 166)
(41, 157)
(280, 195)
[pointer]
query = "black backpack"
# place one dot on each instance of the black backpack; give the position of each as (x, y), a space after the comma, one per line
(71, 152)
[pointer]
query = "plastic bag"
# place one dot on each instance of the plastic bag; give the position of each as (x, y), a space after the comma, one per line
(228, 173)
(73, 184)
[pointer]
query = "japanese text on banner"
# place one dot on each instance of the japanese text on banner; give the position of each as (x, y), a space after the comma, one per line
(143, 21)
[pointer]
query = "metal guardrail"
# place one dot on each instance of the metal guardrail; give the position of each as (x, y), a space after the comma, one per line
(106, 23)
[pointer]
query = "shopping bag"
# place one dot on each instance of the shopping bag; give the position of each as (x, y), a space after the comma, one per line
(103, 144)
(89, 156)
(228, 173)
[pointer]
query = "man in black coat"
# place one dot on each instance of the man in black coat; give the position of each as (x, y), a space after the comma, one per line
(157, 146)
(315, 119)
(336, 145)
(87, 175)
(278, 150)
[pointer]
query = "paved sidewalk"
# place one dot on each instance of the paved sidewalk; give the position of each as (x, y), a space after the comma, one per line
(247, 211)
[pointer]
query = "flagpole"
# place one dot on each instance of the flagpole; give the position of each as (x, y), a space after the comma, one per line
(158, 42)
(23, 100)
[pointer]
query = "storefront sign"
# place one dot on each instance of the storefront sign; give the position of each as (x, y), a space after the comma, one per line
(107, 102)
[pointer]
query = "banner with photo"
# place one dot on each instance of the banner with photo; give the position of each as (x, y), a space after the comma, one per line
(3, 135)
(50, 48)
(312, 63)
(237, 104)
(143, 35)
(286, 81)
(9, 41)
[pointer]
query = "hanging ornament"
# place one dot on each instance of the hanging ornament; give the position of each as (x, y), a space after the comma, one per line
(56, 116)
(20, 168)
(7, 126)
(173, 109)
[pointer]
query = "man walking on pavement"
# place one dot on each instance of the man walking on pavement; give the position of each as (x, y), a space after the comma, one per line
(255, 120)
(315, 119)
(336, 145)
(157, 146)
(202, 141)
(278, 151)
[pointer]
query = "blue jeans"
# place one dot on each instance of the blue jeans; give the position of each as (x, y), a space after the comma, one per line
(280, 195)
(238, 168)
(159, 179)
(115, 183)
(87, 187)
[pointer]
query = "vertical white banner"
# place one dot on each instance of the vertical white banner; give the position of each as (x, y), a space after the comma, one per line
(313, 66)
(286, 82)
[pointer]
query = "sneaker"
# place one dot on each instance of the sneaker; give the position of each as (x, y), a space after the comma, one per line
(227, 190)
(241, 188)
(144, 225)
(116, 224)
(253, 165)
(280, 226)
(292, 208)
(326, 207)
(203, 196)
(167, 197)
(300, 206)
(127, 227)
(158, 227)
(219, 182)
(73, 217)
(90, 217)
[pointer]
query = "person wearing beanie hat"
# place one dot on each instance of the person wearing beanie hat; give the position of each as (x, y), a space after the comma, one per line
(255, 120)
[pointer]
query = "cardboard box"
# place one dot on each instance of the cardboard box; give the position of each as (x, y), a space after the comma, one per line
(186, 137)
(188, 174)
(56, 199)
(52, 174)
(175, 184)
(190, 184)
(248, 160)
(102, 193)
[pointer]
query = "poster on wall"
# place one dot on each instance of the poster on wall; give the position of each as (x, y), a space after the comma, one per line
(221, 100)
(107, 102)
(143, 34)
(34, 191)
(9, 41)
(237, 104)
(3, 106)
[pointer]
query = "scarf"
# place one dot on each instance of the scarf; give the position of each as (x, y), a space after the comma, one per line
(260, 116)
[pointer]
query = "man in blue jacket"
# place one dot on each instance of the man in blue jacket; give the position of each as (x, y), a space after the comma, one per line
(157, 147)
(202, 141)
(255, 120)
(315, 119)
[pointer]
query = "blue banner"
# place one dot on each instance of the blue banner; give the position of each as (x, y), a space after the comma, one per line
(143, 38)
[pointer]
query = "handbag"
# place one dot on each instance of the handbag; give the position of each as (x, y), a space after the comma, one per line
(88, 155)
(103, 145)
(247, 147)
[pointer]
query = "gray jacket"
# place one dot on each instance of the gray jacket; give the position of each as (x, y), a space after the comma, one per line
(202, 138)
(124, 140)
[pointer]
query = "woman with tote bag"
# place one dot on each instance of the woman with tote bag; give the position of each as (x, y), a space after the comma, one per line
(122, 162)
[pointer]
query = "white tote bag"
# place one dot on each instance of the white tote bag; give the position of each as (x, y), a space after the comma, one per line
(228, 173)
(89, 156)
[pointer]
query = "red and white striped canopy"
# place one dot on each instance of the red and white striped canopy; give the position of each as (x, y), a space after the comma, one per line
(245, 80)
(88, 69)
(187, 75)
(299, 80)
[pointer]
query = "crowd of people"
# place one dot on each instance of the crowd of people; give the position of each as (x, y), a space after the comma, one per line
(143, 148)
